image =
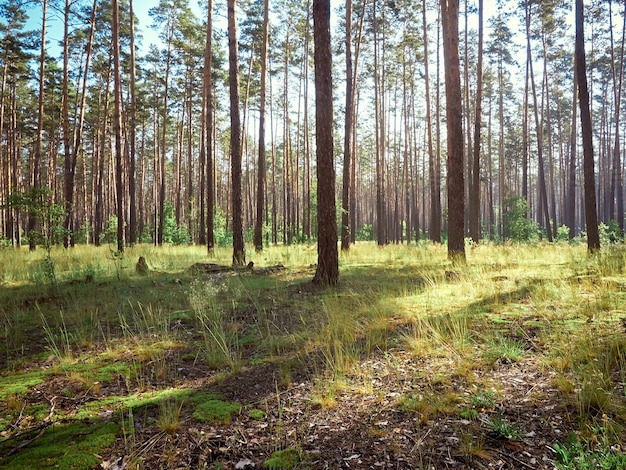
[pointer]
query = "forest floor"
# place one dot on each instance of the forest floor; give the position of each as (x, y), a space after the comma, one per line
(516, 360)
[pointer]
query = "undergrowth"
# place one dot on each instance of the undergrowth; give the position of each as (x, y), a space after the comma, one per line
(136, 358)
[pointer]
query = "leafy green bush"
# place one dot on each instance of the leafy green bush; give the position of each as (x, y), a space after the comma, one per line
(610, 233)
(365, 233)
(518, 227)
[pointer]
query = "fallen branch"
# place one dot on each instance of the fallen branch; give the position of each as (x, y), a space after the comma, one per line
(41, 427)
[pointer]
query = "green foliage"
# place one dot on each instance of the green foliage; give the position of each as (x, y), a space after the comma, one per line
(109, 234)
(173, 233)
(49, 217)
(365, 233)
(283, 459)
(582, 454)
(486, 399)
(223, 237)
(562, 234)
(518, 227)
(500, 428)
(610, 234)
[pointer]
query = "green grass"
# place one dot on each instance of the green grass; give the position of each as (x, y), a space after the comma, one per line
(117, 344)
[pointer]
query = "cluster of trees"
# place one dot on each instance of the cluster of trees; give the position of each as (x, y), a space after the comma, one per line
(217, 120)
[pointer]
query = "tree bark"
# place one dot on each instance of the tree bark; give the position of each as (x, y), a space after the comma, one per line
(591, 217)
(327, 272)
(474, 216)
(117, 125)
(239, 250)
(433, 167)
(261, 172)
(132, 137)
(347, 145)
(454, 116)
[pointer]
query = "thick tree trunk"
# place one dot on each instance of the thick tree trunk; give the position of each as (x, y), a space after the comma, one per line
(454, 117)
(327, 272)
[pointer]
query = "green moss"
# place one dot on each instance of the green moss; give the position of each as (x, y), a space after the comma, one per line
(283, 459)
(257, 414)
(216, 411)
(66, 447)
(19, 384)
(122, 403)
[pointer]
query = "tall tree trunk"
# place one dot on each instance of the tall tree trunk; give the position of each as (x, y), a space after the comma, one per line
(78, 131)
(327, 272)
(616, 180)
(208, 90)
(379, 105)
(433, 175)
(261, 172)
(132, 137)
(347, 144)
(117, 125)
(163, 145)
(543, 209)
(35, 179)
(239, 249)
(67, 140)
(454, 117)
(591, 218)
(474, 217)
(570, 206)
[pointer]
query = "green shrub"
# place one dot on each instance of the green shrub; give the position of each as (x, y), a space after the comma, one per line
(518, 227)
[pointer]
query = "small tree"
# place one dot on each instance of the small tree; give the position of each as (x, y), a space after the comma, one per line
(517, 226)
(49, 217)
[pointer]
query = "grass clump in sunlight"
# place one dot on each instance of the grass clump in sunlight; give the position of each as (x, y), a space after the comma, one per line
(503, 350)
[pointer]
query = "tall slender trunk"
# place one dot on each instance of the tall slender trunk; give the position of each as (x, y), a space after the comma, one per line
(261, 171)
(593, 237)
(570, 206)
(347, 144)
(239, 250)
(474, 218)
(35, 179)
(208, 90)
(433, 168)
(117, 125)
(132, 137)
(543, 210)
(164, 127)
(67, 139)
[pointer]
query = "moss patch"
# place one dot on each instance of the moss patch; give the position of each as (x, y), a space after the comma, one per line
(70, 447)
(283, 460)
(216, 411)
